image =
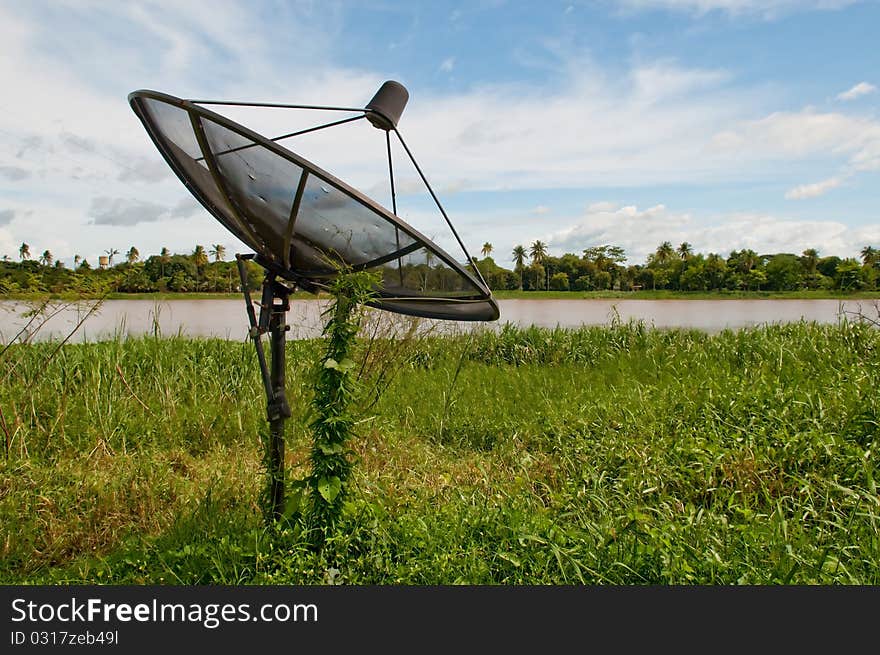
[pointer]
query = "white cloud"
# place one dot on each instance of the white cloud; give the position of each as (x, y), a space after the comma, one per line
(852, 142)
(447, 64)
(859, 90)
(813, 190)
(639, 232)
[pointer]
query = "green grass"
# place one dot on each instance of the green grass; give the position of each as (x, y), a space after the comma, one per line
(601, 455)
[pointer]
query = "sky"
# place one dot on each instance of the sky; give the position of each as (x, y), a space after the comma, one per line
(728, 124)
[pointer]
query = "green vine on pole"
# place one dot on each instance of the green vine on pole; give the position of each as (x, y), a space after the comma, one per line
(335, 389)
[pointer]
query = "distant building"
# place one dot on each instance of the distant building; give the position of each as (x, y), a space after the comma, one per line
(103, 261)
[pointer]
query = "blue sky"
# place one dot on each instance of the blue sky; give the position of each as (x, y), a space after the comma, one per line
(726, 123)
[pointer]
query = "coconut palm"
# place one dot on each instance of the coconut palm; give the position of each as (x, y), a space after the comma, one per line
(132, 255)
(200, 257)
(664, 253)
(111, 252)
(519, 261)
(24, 251)
(218, 251)
(538, 251)
(685, 251)
(869, 256)
(487, 249)
(46, 258)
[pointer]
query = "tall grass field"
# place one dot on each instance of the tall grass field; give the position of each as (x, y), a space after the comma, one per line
(610, 455)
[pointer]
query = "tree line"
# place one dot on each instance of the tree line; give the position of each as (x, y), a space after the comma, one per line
(604, 267)
(200, 270)
(601, 267)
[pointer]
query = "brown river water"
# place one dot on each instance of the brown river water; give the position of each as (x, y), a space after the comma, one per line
(226, 318)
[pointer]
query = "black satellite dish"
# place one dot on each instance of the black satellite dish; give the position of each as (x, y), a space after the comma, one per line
(305, 226)
(303, 223)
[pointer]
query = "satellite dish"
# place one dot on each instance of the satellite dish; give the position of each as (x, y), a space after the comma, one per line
(304, 224)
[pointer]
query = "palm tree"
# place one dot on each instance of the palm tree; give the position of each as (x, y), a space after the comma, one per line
(200, 257)
(76, 260)
(664, 253)
(110, 253)
(46, 258)
(538, 251)
(24, 251)
(869, 256)
(132, 255)
(685, 251)
(218, 251)
(519, 261)
(487, 249)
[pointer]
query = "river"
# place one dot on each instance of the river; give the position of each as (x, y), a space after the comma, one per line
(226, 318)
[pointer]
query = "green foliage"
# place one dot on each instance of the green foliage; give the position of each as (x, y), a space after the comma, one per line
(335, 391)
(784, 272)
(601, 267)
(559, 282)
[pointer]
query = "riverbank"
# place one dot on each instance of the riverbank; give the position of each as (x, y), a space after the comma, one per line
(615, 455)
(661, 294)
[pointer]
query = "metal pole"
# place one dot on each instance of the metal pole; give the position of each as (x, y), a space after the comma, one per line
(254, 330)
(278, 409)
(274, 306)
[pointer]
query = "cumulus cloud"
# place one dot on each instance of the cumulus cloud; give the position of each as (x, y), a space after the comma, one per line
(640, 231)
(125, 211)
(6, 216)
(859, 90)
(14, 173)
(813, 190)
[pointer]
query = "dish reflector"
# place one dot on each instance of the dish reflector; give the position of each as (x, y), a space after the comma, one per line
(303, 223)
